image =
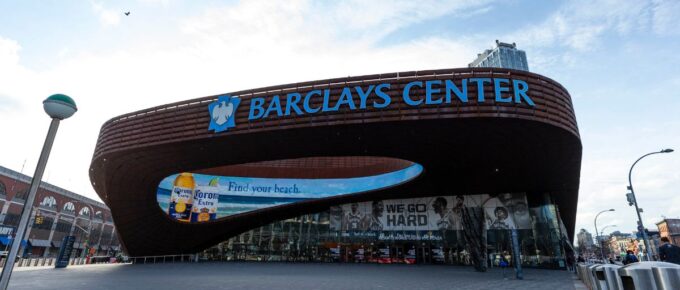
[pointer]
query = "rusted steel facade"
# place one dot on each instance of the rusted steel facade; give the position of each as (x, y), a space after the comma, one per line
(476, 147)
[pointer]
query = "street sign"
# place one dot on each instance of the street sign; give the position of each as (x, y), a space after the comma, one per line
(65, 252)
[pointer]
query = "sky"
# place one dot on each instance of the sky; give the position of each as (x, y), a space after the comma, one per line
(620, 61)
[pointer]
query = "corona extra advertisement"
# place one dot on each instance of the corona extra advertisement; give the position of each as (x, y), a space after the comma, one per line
(192, 197)
(182, 197)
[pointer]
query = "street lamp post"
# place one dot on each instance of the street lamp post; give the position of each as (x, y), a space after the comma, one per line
(596, 232)
(633, 200)
(58, 107)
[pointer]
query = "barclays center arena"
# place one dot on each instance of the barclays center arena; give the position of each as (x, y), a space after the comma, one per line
(453, 166)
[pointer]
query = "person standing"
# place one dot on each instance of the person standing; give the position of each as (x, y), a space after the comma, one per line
(630, 258)
(668, 252)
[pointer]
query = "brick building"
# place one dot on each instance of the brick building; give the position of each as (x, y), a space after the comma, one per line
(670, 228)
(56, 213)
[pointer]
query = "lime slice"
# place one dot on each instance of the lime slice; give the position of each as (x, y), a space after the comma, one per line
(214, 182)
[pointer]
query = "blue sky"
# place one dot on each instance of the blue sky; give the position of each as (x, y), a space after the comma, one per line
(619, 60)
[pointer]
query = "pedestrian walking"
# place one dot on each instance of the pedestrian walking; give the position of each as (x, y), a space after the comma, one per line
(503, 264)
(668, 252)
(570, 262)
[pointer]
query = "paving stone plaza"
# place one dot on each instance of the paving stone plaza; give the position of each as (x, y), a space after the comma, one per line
(286, 276)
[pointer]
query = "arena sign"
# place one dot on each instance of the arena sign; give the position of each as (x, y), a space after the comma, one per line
(436, 92)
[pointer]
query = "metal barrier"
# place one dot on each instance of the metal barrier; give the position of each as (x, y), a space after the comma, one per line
(608, 277)
(47, 262)
(599, 283)
(162, 259)
(666, 277)
(592, 280)
(640, 276)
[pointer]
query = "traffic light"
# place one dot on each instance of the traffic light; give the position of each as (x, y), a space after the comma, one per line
(39, 220)
(630, 197)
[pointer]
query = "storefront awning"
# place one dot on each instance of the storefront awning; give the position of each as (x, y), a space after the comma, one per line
(5, 240)
(40, 243)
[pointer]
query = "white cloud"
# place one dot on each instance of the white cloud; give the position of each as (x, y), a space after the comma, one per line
(107, 17)
(9, 53)
(17, 81)
(580, 25)
(217, 51)
(666, 20)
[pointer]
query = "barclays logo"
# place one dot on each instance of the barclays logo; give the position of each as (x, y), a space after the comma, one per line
(222, 113)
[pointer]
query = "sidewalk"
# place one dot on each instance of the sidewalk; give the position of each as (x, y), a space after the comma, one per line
(578, 284)
(283, 276)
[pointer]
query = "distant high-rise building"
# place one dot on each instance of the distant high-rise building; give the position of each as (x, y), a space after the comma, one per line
(585, 240)
(504, 55)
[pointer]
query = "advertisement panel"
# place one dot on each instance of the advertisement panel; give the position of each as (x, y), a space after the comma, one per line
(422, 218)
(65, 252)
(192, 197)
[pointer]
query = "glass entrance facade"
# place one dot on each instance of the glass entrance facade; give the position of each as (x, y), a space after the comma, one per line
(428, 230)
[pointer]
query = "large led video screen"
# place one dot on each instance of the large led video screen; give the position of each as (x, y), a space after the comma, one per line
(192, 197)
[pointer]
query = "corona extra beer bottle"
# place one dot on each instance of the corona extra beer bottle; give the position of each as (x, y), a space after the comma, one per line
(205, 202)
(182, 197)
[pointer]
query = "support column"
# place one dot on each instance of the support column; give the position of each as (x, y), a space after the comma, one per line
(101, 233)
(5, 209)
(54, 228)
(73, 226)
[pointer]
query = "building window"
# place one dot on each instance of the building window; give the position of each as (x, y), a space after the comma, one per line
(69, 208)
(21, 194)
(12, 219)
(63, 227)
(49, 202)
(84, 212)
(3, 189)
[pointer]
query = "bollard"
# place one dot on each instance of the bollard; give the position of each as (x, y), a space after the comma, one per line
(611, 276)
(600, 282)
(666, 277)
(590, 276)
(582, 271)
(638, 276)
(608, 277)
